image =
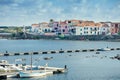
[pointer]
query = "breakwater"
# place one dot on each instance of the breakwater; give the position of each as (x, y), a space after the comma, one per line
(59, 51)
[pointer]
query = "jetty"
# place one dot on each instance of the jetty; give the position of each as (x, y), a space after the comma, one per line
(58, 51)
(48, 70)
(5, 75)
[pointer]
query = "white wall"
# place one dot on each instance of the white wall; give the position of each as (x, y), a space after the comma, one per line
(90, 30)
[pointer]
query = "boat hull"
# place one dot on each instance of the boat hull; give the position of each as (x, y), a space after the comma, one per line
(104, 49)
(31, 74)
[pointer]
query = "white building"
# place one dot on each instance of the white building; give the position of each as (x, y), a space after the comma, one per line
(41, 28)
(44, 28)
(35, 28)
(90, 30)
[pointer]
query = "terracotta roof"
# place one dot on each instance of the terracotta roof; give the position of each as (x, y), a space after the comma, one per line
(35, 25)
(89, 23)
(63, 23)
(44, 23)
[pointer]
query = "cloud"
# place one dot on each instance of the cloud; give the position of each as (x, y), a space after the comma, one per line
(26, 12)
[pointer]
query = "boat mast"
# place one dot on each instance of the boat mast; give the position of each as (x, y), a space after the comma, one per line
(31, 62)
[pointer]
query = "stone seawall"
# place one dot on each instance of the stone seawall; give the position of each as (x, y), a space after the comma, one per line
(82, 37)
(70, 37)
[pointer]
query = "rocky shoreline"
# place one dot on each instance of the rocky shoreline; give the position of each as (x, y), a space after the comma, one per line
(58, 37)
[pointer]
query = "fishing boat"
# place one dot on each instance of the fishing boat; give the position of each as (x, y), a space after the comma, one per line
(31, 73)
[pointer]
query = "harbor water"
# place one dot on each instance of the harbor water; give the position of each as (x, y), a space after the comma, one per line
(81, 65)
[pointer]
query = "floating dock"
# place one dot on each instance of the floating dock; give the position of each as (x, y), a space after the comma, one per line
(57, 51)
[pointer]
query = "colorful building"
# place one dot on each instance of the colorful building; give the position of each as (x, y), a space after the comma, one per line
(35, 28)
(115, 28)
(44, 28)
(89, 28)
(76, 27)
(63, 28)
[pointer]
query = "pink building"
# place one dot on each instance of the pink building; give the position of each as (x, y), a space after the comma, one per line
(54, 26)
(63, 28)
(115, 28)
(60, 28)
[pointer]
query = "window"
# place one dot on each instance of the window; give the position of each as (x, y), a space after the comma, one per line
(69, 21)
(73, 30)
(98, 33)
(85, 32)
(48, 30)
(57, 25)
(45, 30)
(116, 25)
(63, 30)
(95, 29)
(56, 28)
(90, 28)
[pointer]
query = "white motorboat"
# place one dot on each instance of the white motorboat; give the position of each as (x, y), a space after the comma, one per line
(104, 49)
(8, 67)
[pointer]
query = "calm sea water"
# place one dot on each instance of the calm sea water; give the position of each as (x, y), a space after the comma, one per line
(81, 66)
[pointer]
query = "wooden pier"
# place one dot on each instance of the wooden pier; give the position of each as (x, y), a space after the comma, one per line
(57, 51)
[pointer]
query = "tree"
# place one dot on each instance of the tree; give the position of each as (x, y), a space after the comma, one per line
(51, 20)
(51, 23)
(18, 29)
(118, 33)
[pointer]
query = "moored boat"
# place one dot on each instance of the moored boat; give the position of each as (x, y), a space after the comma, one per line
(104, 49)
(9, 67)
(31, 74)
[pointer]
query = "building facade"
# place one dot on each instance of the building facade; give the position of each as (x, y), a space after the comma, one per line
(115, 28)
(76, 27)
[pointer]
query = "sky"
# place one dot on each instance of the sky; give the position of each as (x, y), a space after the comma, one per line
(27, 12)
